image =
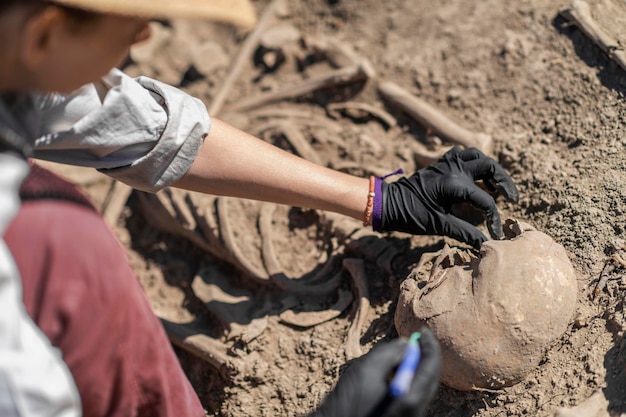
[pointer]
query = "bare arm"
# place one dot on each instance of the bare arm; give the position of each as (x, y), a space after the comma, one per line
(234, 163)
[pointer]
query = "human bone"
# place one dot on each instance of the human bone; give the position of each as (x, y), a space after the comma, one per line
(494, 313)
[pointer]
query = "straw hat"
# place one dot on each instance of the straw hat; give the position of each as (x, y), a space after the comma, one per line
(238, 12)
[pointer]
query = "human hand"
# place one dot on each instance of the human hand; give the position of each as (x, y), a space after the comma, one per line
(363, 389)
(422, 203)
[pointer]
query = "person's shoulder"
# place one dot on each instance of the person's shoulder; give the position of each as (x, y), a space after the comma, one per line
(64, 217)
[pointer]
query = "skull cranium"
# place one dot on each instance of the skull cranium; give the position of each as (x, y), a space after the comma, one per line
(494, 314)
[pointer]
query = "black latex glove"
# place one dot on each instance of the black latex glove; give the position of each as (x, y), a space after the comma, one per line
(422, 204)
(363, 389)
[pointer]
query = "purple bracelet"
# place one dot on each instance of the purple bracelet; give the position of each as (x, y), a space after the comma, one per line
(377, 210)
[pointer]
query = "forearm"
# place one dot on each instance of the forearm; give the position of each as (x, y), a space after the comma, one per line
(234, 163)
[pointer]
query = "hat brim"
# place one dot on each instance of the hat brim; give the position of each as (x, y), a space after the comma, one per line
(238, 12)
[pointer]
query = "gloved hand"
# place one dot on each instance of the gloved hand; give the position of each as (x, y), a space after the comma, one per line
(422, 203)
(363, 389)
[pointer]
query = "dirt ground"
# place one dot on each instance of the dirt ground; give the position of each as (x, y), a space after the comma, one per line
(553, 103)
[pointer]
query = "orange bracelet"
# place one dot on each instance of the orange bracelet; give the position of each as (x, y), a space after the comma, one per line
(369, 208)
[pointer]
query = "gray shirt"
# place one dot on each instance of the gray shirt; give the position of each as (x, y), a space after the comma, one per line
(139, 131)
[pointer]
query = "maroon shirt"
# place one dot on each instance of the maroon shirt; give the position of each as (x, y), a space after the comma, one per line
(81, 291)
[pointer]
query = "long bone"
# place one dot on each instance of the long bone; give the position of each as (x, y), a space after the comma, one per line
(433, 118)
(342, 76)
(244, 54)
(579, 13)
(219, 355)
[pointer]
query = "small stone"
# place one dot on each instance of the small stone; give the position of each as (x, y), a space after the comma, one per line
(580, 322)
(279, 36)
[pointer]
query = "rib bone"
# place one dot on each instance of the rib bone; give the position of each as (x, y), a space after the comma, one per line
(356, 269)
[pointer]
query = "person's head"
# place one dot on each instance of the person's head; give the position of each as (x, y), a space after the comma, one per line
(60, 45)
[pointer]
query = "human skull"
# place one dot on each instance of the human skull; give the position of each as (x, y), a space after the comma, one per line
(494, 314)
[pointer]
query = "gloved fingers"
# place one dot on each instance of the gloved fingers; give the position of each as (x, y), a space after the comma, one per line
(488, 170)
(471, 154)
(477, 197)
(430, 350)
(506, 187)
(462, 231)
(483, 201)
(384, 357)
(425, 382)
(430, 364)
(453, 152)
(364, 385)
(481, 167)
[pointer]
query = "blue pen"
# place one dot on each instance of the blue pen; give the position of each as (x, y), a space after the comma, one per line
(401, 382)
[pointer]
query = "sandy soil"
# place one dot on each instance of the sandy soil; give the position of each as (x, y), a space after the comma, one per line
(551, 100)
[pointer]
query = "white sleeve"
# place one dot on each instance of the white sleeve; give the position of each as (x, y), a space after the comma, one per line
(142, 132)
(34, 381)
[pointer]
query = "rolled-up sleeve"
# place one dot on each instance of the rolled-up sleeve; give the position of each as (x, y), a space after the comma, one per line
(141, 132)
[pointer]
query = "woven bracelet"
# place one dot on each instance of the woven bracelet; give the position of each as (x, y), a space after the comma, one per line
(377, 209)
(369, 208)
(374, 209)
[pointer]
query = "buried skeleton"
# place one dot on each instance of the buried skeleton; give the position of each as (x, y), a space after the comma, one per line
(494, 313)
